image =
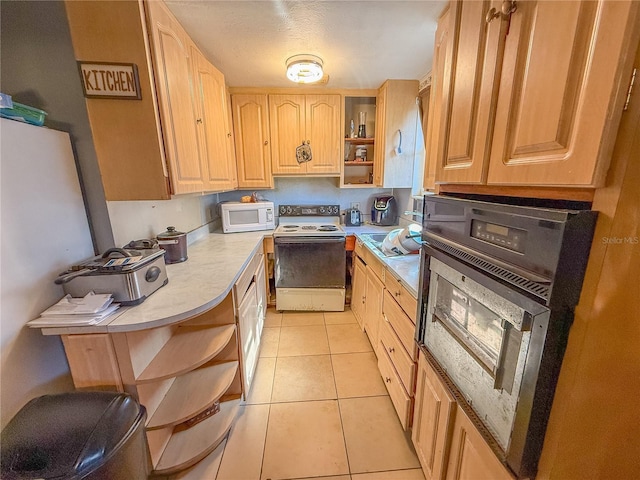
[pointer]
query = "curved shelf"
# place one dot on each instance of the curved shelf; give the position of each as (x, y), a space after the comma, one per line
(205, 386)
(189, 446)
(187, 349)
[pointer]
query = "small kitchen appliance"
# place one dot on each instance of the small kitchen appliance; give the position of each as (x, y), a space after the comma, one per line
(353, 217)
(175, 244)
(384, 210)
(129, 275)
(247, 217)
(310, 258)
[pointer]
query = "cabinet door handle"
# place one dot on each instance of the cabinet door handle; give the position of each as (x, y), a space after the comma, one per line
(387, 379)
(199, 120)
(507, 8)
(229, 134)
(266, 142)
(397, 294)
(391, 349)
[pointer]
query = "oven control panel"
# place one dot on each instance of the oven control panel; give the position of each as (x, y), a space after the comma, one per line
(309, 210)
(507, 237)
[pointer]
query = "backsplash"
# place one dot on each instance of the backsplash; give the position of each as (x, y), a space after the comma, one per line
(199, 214)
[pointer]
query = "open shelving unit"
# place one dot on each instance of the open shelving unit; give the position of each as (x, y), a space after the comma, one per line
(188, 377)
(357, 172)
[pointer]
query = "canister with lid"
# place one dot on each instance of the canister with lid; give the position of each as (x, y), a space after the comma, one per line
(175, 244)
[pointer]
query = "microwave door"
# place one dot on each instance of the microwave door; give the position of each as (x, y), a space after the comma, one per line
(244, 217)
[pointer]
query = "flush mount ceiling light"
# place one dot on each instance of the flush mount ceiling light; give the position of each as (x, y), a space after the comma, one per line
(304, 68)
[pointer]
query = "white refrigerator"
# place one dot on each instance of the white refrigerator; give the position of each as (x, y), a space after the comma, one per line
(43, 230)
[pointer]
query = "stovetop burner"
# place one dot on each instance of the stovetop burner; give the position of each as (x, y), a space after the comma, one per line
(327, 228)
(291, 226)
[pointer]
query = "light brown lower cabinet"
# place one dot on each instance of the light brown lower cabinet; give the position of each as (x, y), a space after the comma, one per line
(447, 443)
(373, 307)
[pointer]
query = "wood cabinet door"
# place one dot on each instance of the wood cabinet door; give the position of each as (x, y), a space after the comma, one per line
(378, 162)
(358, 290)
(471, 63)
(287, 126)
(249, 337)
(251, 131)
(470, 457)
(560, 96)
(322, 127)
(432, 416)
(373, 309)
(177, 108)
(435, 101)
(211, 121)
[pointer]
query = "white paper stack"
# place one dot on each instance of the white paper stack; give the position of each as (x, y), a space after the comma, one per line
(69, 312)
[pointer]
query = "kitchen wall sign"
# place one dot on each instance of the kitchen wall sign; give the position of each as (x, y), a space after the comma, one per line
(110, 80)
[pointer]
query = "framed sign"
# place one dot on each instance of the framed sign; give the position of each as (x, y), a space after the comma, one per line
(110, 80)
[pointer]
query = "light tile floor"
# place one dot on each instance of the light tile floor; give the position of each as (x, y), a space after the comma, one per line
(317, 409)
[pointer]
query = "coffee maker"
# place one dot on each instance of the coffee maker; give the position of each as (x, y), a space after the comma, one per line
(384, 210)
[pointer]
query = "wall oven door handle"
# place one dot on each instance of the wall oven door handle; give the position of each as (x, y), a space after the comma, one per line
(485, 359)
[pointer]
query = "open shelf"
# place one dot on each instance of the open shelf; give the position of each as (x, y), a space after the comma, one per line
(359, 164)
(205, 385)
(190, 445)
(361, 141)
(187, 349)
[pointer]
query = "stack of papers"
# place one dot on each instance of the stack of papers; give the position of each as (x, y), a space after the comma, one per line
(90, 310)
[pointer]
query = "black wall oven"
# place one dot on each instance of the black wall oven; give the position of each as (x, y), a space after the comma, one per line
(499, 284)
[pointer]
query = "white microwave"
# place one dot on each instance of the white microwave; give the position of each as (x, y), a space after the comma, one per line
(247, 217)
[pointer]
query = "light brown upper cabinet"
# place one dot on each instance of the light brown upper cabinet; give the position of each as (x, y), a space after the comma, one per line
(251, 131)
(396, 128)
(214, 127)
(435, 100)
(305, 119)
(169, 141)
(533, 97)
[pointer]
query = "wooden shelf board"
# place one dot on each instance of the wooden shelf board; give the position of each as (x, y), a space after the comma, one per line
(357, 164)
(206, 385)
(189, 446)
(187, 349)
(361, 141)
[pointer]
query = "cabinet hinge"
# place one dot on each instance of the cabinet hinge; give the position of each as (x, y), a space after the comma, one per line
(633, 79)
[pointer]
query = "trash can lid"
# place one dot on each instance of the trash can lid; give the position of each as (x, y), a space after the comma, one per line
(67, 435)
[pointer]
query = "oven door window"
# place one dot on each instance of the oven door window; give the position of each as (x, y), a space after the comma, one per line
(307, 262)
(479, 329)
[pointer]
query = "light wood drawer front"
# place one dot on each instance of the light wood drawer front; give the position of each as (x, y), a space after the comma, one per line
(401, 401)
(359, 248)
(374, 264)
(405, 367)
(245, 278)
(402, 326)
(407, 301)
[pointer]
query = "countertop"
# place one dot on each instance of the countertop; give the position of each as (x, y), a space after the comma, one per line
(196, 285)
(214, 265)
(406, 268)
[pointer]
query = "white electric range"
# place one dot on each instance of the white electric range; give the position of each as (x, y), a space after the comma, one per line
(310, 258)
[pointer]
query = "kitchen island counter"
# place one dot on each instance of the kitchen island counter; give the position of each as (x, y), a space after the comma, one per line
(196, 285)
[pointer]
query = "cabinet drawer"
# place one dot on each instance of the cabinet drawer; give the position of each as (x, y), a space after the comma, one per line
(246, 276)
(359, 248)
(401, 401)
(407, 301)
(402, 326)
(374, 264)
(404, 366)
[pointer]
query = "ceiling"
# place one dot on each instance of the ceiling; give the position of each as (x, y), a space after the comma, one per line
(362, 43)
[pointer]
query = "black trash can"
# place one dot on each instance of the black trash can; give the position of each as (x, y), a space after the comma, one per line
(78, 435)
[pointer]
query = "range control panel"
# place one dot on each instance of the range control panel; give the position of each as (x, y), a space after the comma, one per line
(309, 210)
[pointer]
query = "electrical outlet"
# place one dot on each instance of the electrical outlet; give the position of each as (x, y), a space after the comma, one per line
(355, 205)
